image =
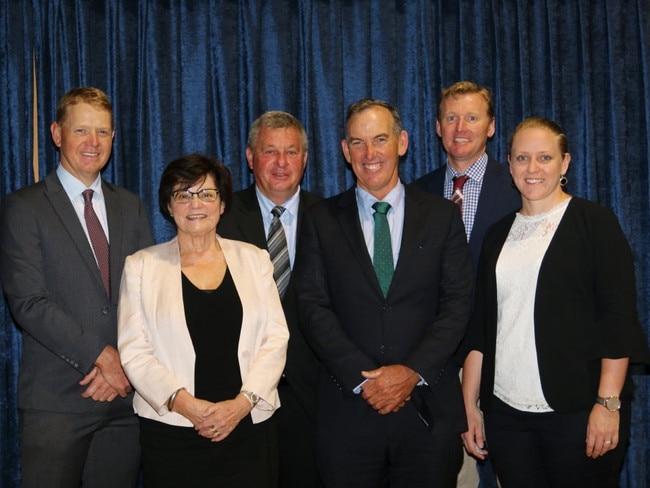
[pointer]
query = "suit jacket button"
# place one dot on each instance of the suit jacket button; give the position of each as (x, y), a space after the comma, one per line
(105, 311)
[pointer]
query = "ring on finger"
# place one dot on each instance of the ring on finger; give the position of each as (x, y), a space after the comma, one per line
(607, 442)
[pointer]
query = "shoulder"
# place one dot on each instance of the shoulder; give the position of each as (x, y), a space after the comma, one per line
(334, 204)
(307, 198)
(163, 250)
(416, 195)
(589, 207)
(431, 182)
(240, 248)
(126, 197)
(591, 216)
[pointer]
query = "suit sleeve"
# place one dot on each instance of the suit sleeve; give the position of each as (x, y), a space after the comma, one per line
(29, 291)
(442, 337)
(617, 324)
(269, 358)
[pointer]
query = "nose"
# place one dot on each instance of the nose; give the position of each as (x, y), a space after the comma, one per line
(282, 159)
(370, 151)
(532, 165)
(92, 138)
(461, 125)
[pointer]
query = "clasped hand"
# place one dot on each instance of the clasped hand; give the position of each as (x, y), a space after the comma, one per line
(107, 379)
(387, 389)
(214, 421)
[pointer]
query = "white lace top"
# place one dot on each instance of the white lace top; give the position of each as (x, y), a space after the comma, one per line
(516, 379)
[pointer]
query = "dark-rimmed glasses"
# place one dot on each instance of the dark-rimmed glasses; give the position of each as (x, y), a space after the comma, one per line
(204, 194)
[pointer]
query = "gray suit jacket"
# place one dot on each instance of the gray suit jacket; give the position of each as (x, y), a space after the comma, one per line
(54, 289)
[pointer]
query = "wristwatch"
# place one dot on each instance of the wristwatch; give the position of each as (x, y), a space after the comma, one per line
(251, 397)
(612, 403)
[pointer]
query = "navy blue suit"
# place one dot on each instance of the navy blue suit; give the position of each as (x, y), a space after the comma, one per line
(353, 327)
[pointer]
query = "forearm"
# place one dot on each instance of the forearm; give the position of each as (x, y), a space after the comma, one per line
(471, 379)
(612, 376)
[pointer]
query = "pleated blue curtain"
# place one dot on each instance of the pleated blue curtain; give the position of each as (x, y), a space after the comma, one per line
(191, 76)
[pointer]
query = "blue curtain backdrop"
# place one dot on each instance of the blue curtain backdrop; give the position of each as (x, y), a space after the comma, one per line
(192, 75)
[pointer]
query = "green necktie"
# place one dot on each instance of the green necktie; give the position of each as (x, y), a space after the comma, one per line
(382, 258)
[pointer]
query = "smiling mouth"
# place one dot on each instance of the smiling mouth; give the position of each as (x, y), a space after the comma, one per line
(533, 180)
(461, 139)
(372, 166)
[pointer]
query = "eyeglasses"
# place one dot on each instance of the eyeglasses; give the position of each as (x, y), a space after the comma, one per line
(186, 196)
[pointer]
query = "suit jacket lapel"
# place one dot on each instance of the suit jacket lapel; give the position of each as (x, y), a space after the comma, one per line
(348, 218)
(70, 222)
(115, 232)
(411, 233)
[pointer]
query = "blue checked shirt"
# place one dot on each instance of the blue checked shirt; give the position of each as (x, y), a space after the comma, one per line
(471, 190)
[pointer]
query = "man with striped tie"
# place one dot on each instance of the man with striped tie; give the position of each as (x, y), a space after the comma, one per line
(268, 214)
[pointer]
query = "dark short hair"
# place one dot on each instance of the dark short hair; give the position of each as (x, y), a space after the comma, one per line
(542, 123)
(366, 103)
(189, 170)
(84, 94)
(461, 88)
(276, 119)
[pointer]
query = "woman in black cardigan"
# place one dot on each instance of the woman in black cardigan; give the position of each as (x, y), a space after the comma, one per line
(553, 332)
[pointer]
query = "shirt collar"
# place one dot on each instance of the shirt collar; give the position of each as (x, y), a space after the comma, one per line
(74, 187)
(475, 171)
(365, 200)
(266, 205)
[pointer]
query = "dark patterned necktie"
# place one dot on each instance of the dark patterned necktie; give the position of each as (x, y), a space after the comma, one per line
(279, 252)
(457, 192)
(382, 257)
(98, 240)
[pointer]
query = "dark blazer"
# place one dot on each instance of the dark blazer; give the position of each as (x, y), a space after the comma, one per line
(498, 198)
(55, 293)
(243, 221)
(352, 327)
(585, 306)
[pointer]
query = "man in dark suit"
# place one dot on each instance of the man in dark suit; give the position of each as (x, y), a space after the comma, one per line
(277, 151)
(390, 411)
(465, 123)
(77, 425)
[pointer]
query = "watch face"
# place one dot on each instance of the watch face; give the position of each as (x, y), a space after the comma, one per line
(613, 403)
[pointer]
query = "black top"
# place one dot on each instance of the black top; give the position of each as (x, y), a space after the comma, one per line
(214, 320)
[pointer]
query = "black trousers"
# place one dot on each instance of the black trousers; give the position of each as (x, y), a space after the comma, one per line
(548, 450)
(399, 452)
(297, 441)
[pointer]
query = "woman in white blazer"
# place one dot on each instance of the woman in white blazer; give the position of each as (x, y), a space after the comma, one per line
(202, 338)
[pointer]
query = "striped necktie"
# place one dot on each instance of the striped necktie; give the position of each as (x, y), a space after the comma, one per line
(279, 252)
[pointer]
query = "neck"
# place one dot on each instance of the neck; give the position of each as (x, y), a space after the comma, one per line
(530, 208)
(197, 244)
